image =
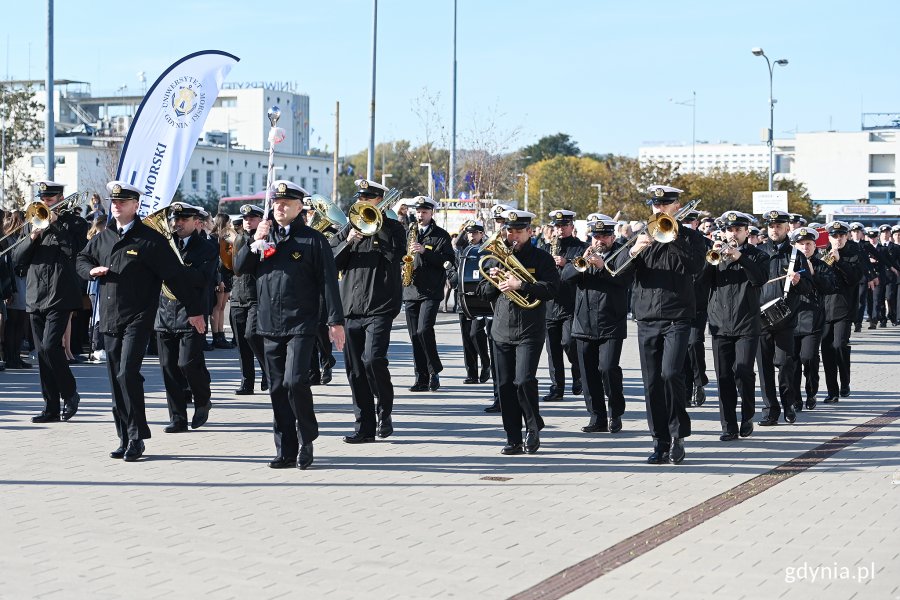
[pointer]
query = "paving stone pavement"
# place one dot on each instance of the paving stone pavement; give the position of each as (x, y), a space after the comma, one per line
(435, 510)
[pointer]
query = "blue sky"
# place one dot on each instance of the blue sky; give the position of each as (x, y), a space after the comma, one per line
(603, 72)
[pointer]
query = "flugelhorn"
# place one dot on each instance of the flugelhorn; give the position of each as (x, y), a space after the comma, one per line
(498, 250)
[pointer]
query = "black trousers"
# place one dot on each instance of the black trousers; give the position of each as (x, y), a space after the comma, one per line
(878, 312)
(602, 376)
(776, 350)
(806, 362)
(48, 328)
(891, 297)
(243, 323)
(662, 346)
(516, 376)
(559, 341)
(836, 356)
(184, 371)
(695, 361)
(366, 344)
(475, 344)
(14, 332)
(733, 358)
(865, 301)
(287, 366)
(420, 318)
(488, 323)
(124, 356)
(321, 356)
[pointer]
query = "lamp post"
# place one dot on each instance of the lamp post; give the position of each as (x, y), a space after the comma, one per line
(384, 178)
(771, 142)
(693, 104)
(525, 175)
(541, 205)
(430, 180)
(599, 187)
(370, 163)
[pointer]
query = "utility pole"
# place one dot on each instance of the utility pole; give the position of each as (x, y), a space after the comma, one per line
(370, 166)
(451, 189)
(50, 129)
(337, 142)
(599, 187)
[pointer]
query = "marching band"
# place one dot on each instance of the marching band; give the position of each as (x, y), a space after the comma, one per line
(307, 276)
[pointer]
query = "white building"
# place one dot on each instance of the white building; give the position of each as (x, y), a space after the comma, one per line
(703, 157)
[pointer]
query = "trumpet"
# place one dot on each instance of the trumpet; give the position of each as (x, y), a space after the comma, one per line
(716, 256)
(498, 250)
(581, 263)
(829, 258)
(661, 227)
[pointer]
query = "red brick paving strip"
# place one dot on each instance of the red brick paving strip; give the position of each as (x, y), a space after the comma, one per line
(598, 565)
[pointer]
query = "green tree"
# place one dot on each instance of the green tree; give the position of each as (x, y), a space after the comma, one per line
(721, 191)
(549, 146)
(20, 114)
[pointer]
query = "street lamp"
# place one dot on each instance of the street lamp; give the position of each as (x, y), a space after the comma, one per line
(541, 206)
(384, 177)
(599, 187)
(693, 104)
(771, 143)
(525, 175)
(430, 180)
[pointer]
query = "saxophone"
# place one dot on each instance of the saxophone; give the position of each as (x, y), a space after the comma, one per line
(554, 246)
(410, 256)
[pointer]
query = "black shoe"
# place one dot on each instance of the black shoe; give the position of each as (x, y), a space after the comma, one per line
(315, 378)
(208, 347)
(728, 436)
(845, 392)
(699, 396)
(576, 388)
(176, 427)
(305, 457)
(798, 406)
(21, 364)
(660, 455)
(327, 376)
(883, 324)
(746, 428)
(512, 449)
(434, 384)
(244, 391)
(222, 344)
(120, 451)
(264, 384)
(873, 325)
(598, 427)
(134, 451)
(552, 397)
(810, 402)
(45, 418)
(493, 408)
(789, 414)
(532, 441)
(280, 462)
(470, 380)
(615, 424)
(831, 399)
(857, 328)
(419, 386)
(385, 427)
(201, 415)
(485, 374)
(359, 438)
(770, 422)
(676, 452)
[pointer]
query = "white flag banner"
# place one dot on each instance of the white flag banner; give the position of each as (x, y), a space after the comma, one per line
(168, 124)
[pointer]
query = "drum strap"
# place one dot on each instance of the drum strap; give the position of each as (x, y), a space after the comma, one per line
(787, 280)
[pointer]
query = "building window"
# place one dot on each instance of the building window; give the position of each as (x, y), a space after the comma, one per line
(252, 183)
(303, 182)
(209, 181)
(226, 102)
(315, 181)
(195, 179)
(238, 181)
(224, 182)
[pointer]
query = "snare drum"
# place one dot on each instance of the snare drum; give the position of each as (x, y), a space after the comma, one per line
(774, 313)
(469, 276)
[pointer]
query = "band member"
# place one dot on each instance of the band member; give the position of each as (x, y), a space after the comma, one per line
(295, 271)
(52, 293)
(695, 363)
(130, 261)
(776, 343)
(563, 247)
(499, 225)
(244, 307)
(179, 345)
(600, 326)
(880, 262)
(474, 336)
(734, 322)
(867, 283)
(371, 296)
(840, 310)
(753, 237)
(796, 221)
(664, 307)
(518, 333)
(431, 248)
(892, 252)
(810, 317)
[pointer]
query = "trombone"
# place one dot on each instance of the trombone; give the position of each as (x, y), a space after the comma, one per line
(497, 249)
(366, 218)
(37, 214)
(661, 227)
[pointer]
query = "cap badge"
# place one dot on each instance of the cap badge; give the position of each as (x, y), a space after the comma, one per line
(117, 189)
(513, 216)
(659, 192)
(732, 216)
(177, 207)
(43, 186)
(559, 215)
(282, 188)
(363, 184)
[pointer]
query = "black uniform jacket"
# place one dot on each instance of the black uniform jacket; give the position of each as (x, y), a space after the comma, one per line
(562, 307)
(290, 284)
(511, 323)
(810, 310)
(138, 263)
(243, 286)
(842, 301)
(889, 255)
(880, 264)
(601, 301)
(701, 285)
(370, 284)
(779, 260)
(201, 256)
(734, 293)
(664, 278)
(49, 262)
(429, 274)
